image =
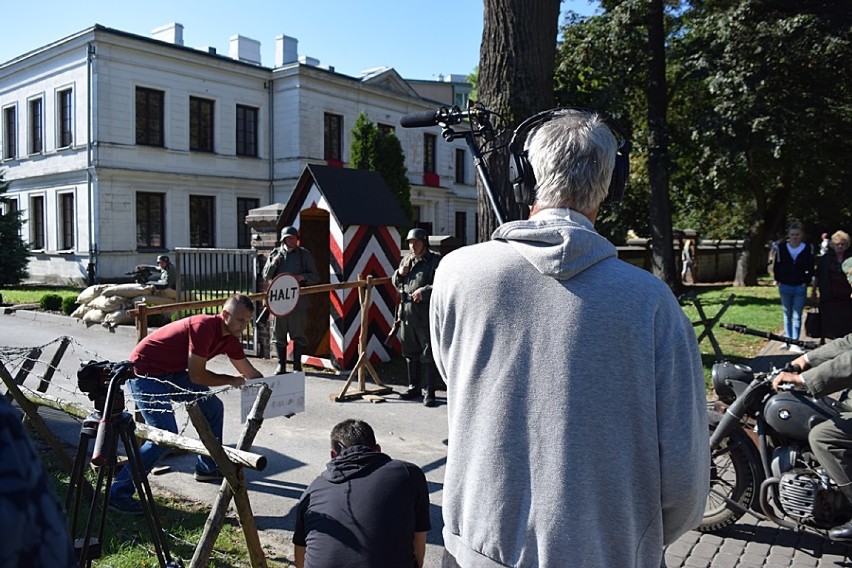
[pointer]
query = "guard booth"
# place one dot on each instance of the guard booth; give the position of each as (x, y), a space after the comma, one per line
(348, 220)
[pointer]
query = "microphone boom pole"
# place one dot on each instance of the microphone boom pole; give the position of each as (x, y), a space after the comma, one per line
(445, 118)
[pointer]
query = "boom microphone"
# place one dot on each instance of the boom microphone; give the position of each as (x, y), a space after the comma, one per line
(420, 119)
(441, 116)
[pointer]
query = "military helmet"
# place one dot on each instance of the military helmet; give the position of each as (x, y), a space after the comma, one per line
(418, 234)
(289, 231)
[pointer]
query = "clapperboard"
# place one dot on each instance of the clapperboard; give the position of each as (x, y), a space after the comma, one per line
(288, 395)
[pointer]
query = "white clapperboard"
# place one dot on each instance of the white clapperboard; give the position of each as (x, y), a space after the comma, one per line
(288, 395)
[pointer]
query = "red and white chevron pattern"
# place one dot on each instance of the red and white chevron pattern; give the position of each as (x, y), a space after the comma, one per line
(360, 250)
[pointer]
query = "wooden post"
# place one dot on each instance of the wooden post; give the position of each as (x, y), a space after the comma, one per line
(234, 477)
(363, 365)
(31, 413)
(213, 525)
(54, 364)
(162, 438)
(141, 321)
(25, 369)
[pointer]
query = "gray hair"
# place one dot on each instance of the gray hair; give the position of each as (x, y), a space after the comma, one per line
(572, 157)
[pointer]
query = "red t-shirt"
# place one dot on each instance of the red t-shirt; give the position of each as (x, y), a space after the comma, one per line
(167, 350)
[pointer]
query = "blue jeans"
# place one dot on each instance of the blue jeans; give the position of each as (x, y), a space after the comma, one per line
(793, 302)
(153, 398)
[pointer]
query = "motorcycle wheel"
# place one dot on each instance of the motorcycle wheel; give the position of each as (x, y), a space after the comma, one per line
(733, 482)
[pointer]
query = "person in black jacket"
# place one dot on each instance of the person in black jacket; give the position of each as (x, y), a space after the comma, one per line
(794, 271)
(835, 303)
(366, 509)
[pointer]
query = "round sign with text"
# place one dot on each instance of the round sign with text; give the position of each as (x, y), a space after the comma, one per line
(282, 295)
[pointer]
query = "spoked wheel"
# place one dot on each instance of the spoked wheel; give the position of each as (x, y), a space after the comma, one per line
(733, 482)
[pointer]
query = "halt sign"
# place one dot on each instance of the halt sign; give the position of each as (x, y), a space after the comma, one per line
(282, 295)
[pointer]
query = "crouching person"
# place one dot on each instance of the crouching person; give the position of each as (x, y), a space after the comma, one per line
(365, 509)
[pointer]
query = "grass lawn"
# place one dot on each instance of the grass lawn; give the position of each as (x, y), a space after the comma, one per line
(127, 541)
(32, 295)
(757, 307)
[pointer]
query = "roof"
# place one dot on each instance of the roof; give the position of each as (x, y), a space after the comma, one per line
(355, 197)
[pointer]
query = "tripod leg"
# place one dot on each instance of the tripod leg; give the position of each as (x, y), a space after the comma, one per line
(89, 548)
(143, 490)
(75, 483)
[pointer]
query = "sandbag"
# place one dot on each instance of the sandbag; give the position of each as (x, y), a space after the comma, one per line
(108, 303)
(91, 293)
(128, 290)
(169, 293)
(118, 317)
(80, 311)
(94, 316)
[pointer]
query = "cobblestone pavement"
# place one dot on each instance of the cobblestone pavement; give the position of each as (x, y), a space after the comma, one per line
(751, 543)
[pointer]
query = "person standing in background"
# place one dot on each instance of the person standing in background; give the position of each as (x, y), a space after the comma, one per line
(413, 279)
(293, 259)
(793, 271)
(835, 303)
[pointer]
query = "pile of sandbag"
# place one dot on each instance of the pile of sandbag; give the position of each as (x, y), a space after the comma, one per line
(107, 304)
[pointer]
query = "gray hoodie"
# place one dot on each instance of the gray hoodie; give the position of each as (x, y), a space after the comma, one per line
(576, 402)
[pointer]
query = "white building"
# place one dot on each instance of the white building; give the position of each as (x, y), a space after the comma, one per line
(120, 147)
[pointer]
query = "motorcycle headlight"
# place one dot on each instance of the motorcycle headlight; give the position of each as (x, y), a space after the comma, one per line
(725, 375)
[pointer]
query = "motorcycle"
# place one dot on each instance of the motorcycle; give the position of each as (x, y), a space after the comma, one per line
(761, 459)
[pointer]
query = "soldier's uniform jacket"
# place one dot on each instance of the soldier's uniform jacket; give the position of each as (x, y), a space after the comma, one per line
(420, 276)
(298, 262)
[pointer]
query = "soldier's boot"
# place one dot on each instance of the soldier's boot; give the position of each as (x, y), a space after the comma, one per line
(843, 532)
(429, 381)
(413, 390)
(281, 353)
(297, 357)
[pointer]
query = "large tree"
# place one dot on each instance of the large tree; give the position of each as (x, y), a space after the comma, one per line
(770, 129)
(516, 64)
(380, 151)
(758, 101)
(15, 257)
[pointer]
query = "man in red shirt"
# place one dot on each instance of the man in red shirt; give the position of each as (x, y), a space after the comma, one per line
(171, 365)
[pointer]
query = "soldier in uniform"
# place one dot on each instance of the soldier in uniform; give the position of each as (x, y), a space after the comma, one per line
(414, 279)
(296, 260)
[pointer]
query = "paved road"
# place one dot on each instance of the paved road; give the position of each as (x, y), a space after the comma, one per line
(297, 450)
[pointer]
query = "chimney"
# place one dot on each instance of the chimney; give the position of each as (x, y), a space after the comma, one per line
(244, 49)
(310, 61)
(170, 33)
(286, 50)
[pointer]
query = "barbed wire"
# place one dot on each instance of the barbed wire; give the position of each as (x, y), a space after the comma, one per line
(16, 360)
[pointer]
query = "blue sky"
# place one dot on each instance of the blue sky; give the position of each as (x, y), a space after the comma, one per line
(418, 39)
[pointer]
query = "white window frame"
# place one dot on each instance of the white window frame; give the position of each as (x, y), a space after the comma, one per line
(58, 115)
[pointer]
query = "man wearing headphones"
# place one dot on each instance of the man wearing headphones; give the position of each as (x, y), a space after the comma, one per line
(293, 259)
(413, 279)
(576, 398)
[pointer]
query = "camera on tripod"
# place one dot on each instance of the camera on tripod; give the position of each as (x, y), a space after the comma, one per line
(94, 378)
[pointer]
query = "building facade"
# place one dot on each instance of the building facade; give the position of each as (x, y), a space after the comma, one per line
(120, 147)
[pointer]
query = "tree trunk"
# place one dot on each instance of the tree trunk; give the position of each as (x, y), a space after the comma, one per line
(516, 63)
(662, 252)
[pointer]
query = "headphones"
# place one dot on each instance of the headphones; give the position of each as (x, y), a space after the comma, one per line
(520, 170)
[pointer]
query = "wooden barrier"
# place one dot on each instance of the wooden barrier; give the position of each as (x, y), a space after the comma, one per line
(362, 367)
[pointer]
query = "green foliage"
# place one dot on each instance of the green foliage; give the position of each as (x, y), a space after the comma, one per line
(363, 150)
(50, 302)
(381, 152)
(473, 79)
(32, 295)
(69, 304)
(758, 111)
(15, 257)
